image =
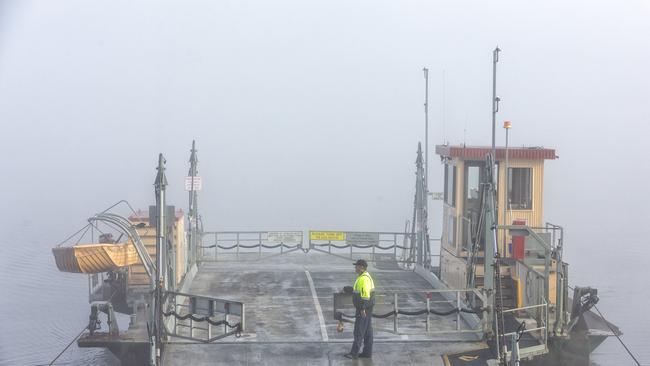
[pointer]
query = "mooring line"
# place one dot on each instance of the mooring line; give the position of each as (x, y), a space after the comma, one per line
(319, 311)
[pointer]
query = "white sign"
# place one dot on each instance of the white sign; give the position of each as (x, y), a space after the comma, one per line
(356, 238)
(197, 183)
(437, 196)
(286, 237)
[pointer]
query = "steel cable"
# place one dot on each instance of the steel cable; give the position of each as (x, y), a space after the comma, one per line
(68, 346)
(618, 337)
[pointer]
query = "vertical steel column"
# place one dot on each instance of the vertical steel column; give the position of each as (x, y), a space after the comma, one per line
(193, 212)
(426, 128)
(160, 184)
(495, 99)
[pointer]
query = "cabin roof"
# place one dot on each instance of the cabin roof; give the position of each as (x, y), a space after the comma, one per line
(143, 215)
(479, 152)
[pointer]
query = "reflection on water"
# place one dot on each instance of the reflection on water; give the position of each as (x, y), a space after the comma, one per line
(42, 309)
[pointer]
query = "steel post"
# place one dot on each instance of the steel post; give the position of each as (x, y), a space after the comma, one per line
(160, 184)
(396, 310)
(428, 312)
(458, 307)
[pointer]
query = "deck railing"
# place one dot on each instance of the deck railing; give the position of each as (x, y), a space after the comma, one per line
(538, 333)
(237, 245)
(414, 305)
(202, 318)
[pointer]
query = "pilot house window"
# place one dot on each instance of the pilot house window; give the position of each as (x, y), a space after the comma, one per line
(520, 189)
(450, 184)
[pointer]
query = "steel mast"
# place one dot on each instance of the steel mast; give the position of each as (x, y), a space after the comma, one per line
(193, 200)
(489, 206)
(161, 184)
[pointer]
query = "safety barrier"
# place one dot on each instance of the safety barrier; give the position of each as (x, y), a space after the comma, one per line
(455, 306)
(238, 245)
(538, 333)
(196, 317)
(376, 246)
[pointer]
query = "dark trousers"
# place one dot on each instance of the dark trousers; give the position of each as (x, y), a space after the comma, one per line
(362, 333)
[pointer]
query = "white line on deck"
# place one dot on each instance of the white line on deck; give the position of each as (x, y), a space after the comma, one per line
(323, 330)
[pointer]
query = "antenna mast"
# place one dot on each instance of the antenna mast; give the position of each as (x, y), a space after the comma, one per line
(426, 129)
(495, 101)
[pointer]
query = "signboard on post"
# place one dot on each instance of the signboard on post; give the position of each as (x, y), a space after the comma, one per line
(356, 238)
(437, 196)
(286, 237)
(197, 183)
(206, 306)
(327, 235)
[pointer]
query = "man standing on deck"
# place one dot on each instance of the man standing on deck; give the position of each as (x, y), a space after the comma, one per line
(363, 298)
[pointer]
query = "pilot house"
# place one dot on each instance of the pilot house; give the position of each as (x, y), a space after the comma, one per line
(520, 187)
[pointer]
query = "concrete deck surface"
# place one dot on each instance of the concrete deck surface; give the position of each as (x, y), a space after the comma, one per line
(282, 295)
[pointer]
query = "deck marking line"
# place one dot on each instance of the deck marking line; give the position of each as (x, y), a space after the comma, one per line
(319, 311)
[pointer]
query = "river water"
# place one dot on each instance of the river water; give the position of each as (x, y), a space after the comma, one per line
(42, 309)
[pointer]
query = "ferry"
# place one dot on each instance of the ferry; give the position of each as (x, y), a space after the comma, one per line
(492, 289)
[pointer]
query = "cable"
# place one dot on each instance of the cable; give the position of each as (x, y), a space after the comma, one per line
(618, 337)
(613, 332)
(68, 346)
(71, 236)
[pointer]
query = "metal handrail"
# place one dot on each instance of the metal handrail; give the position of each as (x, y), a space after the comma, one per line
(543, 328)
(242, 242)
(456, 302)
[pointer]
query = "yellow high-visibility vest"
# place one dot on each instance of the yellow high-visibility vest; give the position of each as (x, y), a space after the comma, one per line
(364, 285)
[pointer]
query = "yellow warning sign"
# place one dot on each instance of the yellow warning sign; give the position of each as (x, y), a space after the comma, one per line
(327, 235)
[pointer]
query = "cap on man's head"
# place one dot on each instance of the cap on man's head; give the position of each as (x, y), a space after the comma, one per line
(361, 262)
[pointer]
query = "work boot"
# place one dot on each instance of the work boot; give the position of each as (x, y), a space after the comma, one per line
(351, 356)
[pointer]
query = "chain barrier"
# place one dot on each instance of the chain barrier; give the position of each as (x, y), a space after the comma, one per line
(202, 319)
(305, 250)
(340, 315)
(361, 246)
(250, 246)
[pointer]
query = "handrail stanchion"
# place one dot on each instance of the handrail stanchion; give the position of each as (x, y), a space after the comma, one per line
(428, 311)
(395, 244)
(259, 242)
(458, 310)
(396, 310)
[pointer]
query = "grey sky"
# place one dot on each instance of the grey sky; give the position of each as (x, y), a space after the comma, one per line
(308, 114)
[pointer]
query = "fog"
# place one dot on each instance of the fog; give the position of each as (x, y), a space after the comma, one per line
(307, 115)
